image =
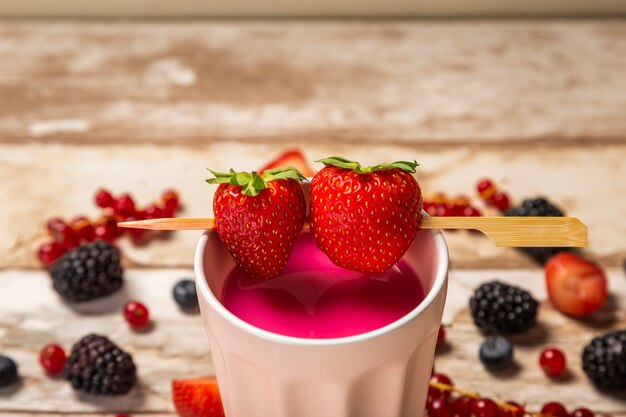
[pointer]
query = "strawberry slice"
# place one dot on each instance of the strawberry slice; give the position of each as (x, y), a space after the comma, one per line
(576, 286)
(293, 158)
(197, 398)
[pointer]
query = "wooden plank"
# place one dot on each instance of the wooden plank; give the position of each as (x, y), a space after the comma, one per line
(176, 346)
(383, 82)
(39, 183)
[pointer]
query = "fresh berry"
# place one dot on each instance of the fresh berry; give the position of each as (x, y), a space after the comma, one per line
(429, 207)
(90, 271)
(502, 308)
(136, 314)
(443, 209)
(436, 392)
(604, 360)
(441, 338)
(185, 295)
(440, 198)
(62, 232)
(576, 286)
(582, 412)
(539, 206)
(500, 200)
(485, 188)
(83, 228)
(293, 158)
(439, 407)
(485, 407)
(197, 398)
(107, 230)
(259, 219)
(471, 211)
(365, 219)
(554, 409)
(98, 366)
(124, 205)
(52, 359)
(496, 353)
(552, 362)
(170, 203)
(153, 212)
(512, 409)
(50, 252)
(136, 234)
(462, 406)
(8, 371)
(104, 199)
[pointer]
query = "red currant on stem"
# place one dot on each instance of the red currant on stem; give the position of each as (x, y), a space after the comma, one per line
(438, 392)
(429, 207)
(439, 407)
(50, 252)
(514, 410)
(136, 314)
(462, 406)
(170, 203)
(124, 205)
(153, 211)
(62, 233)
(103, 198)
(485, 407)
(52, 359)
(582, 412)
(471, 211)
(500, 200)
(485, 188)
(554, 409)
(107, 230)
(553, 362)
(83, 228)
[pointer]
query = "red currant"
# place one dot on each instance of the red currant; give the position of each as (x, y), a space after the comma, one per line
(153, 211)
(50, 252)
(553, 362)
(83, 228)
(554, 409)
(443, 209)
(124, 205)
(515, 410)
(471, 211)
(582, 412)
(438, 392)
(429, 207)
(440, 198)
(500, 201)
(106, 231)
(170, 203)
(62, 233)
(52, 359)
(485, 188)
(462, 406)
(441, 337)
(440, 408)
(122, 415)
(104, 198)
(136, 314)
(485, 407)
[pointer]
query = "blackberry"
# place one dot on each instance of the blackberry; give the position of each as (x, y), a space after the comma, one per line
(87, 272)
(98, 366)
(541, 207)
(604, 360)
(502, 308)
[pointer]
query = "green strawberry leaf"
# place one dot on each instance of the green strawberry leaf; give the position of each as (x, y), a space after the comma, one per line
(252, 183)
(341, 162)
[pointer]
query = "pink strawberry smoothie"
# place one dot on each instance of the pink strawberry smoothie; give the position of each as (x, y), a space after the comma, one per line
(313, 298)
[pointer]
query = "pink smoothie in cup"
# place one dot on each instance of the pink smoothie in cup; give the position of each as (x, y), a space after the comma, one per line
(313, 298)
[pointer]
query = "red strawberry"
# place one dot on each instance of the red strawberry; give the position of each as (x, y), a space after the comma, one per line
(575, 286)
(197, 398)
(259, 217)
(293, 158)
(365, 219)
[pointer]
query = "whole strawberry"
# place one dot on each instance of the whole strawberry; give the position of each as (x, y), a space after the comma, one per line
(259, 217)
(365, 218)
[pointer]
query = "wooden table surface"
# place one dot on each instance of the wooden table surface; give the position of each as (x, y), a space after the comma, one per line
(540, 107)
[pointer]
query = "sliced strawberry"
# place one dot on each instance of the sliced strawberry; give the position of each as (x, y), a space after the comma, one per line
(259, 217)
(197, 398)
(292, 158)
(576, 286)
(365, 218)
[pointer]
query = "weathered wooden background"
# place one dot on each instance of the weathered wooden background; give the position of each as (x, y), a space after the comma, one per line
(538, 106)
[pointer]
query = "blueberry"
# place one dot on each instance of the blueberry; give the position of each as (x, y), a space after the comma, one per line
(8, 371)
(185, 294)
(496, 353)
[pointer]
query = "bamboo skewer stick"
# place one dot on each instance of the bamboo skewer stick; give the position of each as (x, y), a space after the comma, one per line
(503, 231)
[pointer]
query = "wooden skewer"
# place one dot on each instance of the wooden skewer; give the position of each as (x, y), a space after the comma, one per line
(503, 231)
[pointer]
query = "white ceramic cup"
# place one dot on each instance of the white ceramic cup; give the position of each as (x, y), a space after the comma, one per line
(381, 373)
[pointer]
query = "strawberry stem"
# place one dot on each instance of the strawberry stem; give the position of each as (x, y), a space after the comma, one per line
(341, 162)
(252, 183)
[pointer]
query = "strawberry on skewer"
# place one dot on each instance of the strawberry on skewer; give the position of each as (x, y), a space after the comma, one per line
(259, 217)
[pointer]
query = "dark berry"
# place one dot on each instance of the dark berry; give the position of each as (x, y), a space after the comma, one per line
(185, 295)
(104, 199)
(552, 362)
(52, 359)
(541, 207)
(604, 360)
(496, 353)
(8, 371)
(98, 366)
(502, 308)
(136, 314)
(90, 271)
(485, 407)
(554, 409)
